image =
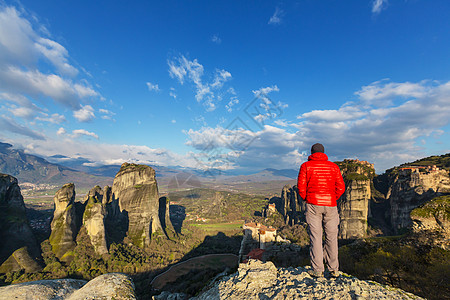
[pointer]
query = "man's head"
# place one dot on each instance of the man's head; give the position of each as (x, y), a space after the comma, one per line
(317, 148)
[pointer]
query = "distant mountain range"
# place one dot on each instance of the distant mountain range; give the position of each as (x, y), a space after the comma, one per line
(37, 170)
(59, 169)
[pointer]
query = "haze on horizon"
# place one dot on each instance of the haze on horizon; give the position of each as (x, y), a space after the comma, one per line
(232, 85)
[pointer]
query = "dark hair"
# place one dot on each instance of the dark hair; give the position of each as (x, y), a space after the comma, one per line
(317, 148)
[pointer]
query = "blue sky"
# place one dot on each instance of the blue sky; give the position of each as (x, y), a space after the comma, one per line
(233, 85)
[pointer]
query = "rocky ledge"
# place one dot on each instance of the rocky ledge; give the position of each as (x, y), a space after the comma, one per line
(116, 286)
(258, 280)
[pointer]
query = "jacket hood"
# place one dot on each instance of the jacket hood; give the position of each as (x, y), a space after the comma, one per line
(318, 156)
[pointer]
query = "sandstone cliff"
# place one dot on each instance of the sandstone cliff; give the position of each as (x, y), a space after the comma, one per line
(15, 231)
(64, 224)
(431, 222)
(94, 220)
(293, 207)
(354, 203)
(136, 191)
(410, 187)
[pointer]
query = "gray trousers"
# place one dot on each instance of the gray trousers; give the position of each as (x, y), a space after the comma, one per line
(321, 218)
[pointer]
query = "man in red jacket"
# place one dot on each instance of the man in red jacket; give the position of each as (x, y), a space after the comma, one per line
(320, 183)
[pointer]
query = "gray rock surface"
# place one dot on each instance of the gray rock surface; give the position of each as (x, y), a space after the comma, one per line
(14, 225)
(354, 203)
(41, 289)
(94, 220)
(354, 209)
(20, 260)
(116, 286)
(409, 188)
(258, 280)
(64, 223)
(136, 190)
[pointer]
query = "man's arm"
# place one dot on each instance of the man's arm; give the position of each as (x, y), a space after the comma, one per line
(340, 185)
(301, 182)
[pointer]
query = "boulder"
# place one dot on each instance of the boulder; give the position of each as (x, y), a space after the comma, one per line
(108, 286)
(41, 289)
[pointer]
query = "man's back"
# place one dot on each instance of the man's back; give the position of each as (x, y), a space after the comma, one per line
(320, 181)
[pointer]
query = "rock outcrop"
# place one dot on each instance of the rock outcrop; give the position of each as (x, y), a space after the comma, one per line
(258, 280)
(431, 222)
(20, 260)
(292, 205)
(64, 224)
(94, 220)
(108, 286)
(15, 231)
(409, 187)
(136, 191)
(354, 204)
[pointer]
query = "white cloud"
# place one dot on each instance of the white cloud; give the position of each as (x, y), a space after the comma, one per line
(383, 93)
(85, 114)
(277, 16)
(57, 55)
(378, 6)
(34, 68)
(182, 69)
(153, 87)
(233, 101)
(9, 125)
(61, 131)
(54, 118)
(386, 136)
(80, 132)
(216, 39)
(174, 121)
(107, 114)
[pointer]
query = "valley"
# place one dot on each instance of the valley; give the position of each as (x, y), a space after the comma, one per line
(137, 228)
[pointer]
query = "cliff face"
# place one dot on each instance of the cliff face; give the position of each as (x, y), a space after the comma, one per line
(411, 187)
(136, 191)
(64, 224)
(354, 204)
(292, 205)
(15, 231)
(94, 220)
(431, 222)
(354, 209)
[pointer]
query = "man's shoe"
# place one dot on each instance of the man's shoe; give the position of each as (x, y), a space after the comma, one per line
(334, 274)
(316, 274)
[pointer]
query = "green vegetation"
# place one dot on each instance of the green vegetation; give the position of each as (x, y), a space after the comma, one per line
(438, 207)
(398, 262)
(218, 206)
(442, 161)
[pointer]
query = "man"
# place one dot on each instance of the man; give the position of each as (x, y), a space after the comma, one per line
(320, 183)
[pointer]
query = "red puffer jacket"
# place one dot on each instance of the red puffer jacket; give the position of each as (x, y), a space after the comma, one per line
(320, 181)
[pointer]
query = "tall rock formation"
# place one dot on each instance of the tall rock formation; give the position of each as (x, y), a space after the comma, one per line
(136, 191)
(292, 205)
(94, 220)
(15, 231)
(354, 204)
(64, 224)
(409, 187)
